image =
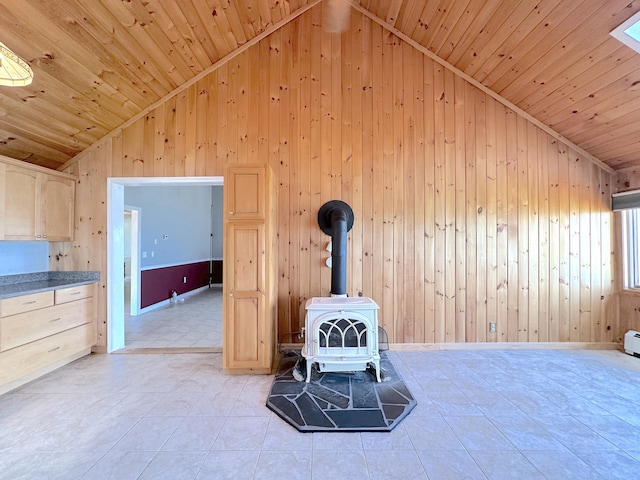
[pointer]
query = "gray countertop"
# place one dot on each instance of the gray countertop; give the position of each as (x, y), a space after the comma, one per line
(24, 284)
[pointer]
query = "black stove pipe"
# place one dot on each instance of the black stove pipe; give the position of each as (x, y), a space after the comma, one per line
(339, 253)
(336, 219)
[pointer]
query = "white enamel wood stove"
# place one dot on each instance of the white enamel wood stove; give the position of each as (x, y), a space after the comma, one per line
(341, 334)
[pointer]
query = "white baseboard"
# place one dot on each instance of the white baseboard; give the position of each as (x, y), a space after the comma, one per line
(409, 347)
(168, 301)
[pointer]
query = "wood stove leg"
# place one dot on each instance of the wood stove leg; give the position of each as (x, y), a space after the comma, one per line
(308, 371)
(377, 367)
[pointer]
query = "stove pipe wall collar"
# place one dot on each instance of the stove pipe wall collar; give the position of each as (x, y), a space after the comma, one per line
(335, 218)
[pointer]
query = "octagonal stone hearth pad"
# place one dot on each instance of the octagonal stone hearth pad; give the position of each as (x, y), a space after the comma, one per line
(339, 401)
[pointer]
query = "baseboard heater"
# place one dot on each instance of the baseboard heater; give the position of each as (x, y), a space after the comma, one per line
(632, 343)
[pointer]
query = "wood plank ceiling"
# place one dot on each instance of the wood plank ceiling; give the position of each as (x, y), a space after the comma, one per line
(98, 63)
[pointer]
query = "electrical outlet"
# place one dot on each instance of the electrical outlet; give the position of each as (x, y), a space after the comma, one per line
(492, 327)
(184, 279)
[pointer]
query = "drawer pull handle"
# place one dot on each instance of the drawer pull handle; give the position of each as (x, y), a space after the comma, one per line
(29, 303)
(53, 349)
(54, 319)
(74, 293)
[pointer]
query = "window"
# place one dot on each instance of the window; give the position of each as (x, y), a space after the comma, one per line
(631, 247)
(629, 32)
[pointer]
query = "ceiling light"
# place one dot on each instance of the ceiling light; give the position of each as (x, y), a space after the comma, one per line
(14, 71)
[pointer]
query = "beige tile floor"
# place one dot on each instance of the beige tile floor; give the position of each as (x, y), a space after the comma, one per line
(480, 414)
(194, 322)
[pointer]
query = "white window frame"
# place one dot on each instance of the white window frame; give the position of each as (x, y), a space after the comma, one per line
(631, 248)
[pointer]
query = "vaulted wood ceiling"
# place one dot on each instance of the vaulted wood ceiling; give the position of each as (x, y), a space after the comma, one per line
(98, 63)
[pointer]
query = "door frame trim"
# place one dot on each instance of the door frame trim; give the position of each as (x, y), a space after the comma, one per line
(115, 244)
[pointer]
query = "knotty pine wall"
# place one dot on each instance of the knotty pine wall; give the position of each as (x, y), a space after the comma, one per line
(627, 179)
(466, 213)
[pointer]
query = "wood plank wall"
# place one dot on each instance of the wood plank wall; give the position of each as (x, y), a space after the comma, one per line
(627, 180)
(466, 213)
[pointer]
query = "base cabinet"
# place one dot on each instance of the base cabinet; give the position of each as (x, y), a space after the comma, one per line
(250, 274)
(36, 356)
(43, 331)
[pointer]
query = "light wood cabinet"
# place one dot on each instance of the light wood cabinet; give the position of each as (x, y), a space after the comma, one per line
(57, 204)
(246, 194)
(250, 277)
(71, 294)
(43, 331)
(25, 303)
(27, 327)
(35, 203)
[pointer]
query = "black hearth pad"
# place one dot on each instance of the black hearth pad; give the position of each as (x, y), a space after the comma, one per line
(339, 402)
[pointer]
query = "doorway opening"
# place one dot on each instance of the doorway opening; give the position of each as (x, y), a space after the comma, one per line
(120, 239)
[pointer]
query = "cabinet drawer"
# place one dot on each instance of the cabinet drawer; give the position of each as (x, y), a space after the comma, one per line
(71, 294)
(25, 303)
(21, 361)
(27, 327)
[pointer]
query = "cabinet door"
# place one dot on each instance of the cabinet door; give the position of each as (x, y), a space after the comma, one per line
(57, 204)
(245, 193)
(246, 246)
(244, 285)
(245, 345)
(35, 206)
(3, 189)
(21, 204)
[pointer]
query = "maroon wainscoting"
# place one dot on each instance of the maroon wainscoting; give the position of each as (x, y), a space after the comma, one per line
(157, 284)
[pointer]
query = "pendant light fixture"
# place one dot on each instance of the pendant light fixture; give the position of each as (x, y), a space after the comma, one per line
(14, 71)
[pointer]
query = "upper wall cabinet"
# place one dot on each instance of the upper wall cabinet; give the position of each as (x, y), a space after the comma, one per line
(245, 187)
(35, 203)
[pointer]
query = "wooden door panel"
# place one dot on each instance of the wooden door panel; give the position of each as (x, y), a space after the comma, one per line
(245, 327)
(246, 194)
(246, 244)
(245, 347)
